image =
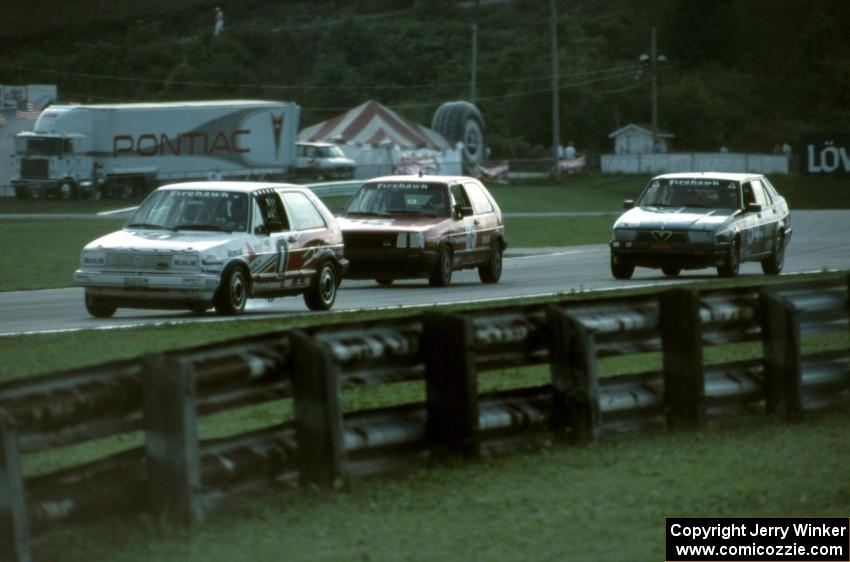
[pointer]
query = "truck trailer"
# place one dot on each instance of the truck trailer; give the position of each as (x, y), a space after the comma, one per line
(130, 149)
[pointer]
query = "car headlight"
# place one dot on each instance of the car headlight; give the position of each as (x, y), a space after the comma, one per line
(92, 258)
(185, 261)
(625, 234)
(410, 240)
(700, 236)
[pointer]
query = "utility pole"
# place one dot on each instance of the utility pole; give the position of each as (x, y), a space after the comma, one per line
(654, 62)
(473, 93)
(556, 120)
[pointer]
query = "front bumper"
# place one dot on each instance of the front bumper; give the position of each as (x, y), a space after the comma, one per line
(657, 255)
(395, 263)
(138, 290)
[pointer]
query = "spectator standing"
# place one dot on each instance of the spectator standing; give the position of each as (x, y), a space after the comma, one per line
(570, 151)
(219, 21)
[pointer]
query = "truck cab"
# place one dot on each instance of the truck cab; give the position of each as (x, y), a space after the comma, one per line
(55, 158)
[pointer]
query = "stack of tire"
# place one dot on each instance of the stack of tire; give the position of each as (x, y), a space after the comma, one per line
(461, 121)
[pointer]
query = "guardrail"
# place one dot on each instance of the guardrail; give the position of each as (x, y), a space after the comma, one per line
(164, 395)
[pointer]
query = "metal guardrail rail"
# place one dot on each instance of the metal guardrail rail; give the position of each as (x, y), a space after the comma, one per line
(164, 395)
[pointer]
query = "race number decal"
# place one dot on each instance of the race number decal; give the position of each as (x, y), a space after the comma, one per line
(282, 257)
(470, 234)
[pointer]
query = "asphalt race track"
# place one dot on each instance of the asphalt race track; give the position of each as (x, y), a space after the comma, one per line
(821, 240)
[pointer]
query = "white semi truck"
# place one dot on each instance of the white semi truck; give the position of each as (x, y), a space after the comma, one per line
(126, 149)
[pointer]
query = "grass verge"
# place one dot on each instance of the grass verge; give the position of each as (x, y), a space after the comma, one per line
(606, 501)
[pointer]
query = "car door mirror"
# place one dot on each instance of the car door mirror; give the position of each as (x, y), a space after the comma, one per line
(753, 208)
(628, 203)
(461, 211)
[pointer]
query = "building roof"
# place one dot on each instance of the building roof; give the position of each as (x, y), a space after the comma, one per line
(374, 124)
(641, 128)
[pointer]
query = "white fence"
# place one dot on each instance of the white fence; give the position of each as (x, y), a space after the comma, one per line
(694, 162)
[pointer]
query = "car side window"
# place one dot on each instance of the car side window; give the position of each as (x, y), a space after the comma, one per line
(480, 203)
(758, 194)
(305, 215)
(272, 212)
(459, 196)
(760, 188)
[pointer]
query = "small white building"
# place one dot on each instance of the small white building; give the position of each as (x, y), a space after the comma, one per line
(637, 139)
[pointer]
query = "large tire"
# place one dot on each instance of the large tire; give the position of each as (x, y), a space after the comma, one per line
(442, 275)
(671, 271)
(461, 121)
(67, 190)
(232, 293)
(491, 271)
(99, 308)
(621, 269)
(732, 263)
(322, 292)
(773, 265)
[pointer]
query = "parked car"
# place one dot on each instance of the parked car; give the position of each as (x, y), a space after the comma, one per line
(216, 244)
(323, 160)
(401, 227)
(696, 220)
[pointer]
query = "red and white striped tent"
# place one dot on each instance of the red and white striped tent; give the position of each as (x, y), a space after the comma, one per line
(379, 139)
(373, 124)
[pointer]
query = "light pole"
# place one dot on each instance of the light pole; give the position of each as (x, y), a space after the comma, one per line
(653, 60)
(556, 120)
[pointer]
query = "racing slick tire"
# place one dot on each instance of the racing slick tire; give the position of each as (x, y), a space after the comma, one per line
(671, 271)
(67, 190)
(491, 271)
(732, 263)
(322, 292)
(773, 264)
(461, 121)
(232, 293)
(442, 275)
(620, 269)
(99, 308)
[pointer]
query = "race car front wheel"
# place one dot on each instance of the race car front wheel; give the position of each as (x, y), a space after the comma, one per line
(621, 269)
(232, 293)
(99, 308)
(442, 275)
(732, 263)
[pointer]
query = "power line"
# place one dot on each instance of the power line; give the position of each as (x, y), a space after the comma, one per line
(289, 87)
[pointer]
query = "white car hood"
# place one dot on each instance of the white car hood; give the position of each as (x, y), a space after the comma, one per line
(163, 240)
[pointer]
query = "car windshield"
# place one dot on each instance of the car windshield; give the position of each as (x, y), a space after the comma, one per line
(691, 192)
(400, 198)
(330, 152)
(192, 209)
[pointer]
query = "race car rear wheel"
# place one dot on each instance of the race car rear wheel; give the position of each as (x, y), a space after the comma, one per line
(232, 293)
(491, 271)
(773, 264)
(732, 263)
(99, 308)
(442, 275)
(621, 269)
(322, 292)
(671, 271)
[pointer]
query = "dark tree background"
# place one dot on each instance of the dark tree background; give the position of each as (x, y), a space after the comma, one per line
(744, 73)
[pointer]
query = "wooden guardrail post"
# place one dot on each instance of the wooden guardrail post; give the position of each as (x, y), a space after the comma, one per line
(780, 330)
(451, 380)
(575, 387)
(681, 343)
(318, 414)
(171, 438)
(14, 523)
